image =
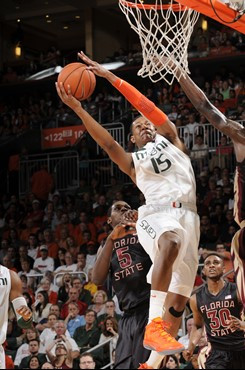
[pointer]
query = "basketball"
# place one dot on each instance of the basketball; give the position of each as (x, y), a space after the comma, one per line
(82, 81)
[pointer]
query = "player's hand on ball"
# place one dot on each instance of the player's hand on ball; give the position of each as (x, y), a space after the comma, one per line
(25, 312)
(93, 66)
(67, 98)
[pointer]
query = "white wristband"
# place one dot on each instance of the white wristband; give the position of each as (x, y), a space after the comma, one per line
(17, 303)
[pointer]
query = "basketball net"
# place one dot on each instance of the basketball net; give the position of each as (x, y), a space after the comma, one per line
(164, 32)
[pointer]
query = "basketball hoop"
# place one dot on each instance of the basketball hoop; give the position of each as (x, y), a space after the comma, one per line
(164, 31)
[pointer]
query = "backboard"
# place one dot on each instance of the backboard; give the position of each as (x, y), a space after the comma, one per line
(219, 11)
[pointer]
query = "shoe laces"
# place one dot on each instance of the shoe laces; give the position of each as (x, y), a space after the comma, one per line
(162, 327)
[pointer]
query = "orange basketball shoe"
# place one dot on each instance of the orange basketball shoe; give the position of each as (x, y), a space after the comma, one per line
(145, 366)
(158, 339)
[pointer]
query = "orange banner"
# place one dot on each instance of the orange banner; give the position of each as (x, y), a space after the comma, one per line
(62, 136)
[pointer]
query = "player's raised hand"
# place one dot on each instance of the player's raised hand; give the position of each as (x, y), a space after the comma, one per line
(93, 66)
(187, 354)
(67, 98)
(117, 232)
(25, 312)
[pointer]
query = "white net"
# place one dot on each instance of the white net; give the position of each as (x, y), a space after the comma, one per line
(164, 31)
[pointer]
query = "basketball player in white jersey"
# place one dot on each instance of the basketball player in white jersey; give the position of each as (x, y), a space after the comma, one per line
(11, 292)
(168, 225)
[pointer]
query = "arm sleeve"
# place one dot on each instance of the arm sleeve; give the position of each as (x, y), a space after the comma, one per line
(145, 106)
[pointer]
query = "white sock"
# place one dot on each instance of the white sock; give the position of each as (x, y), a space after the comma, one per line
(154, 360)
(157, 300)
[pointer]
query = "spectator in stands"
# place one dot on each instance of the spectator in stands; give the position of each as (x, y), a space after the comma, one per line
(82, 263)
(41, 307)
(42, 183)
(60, 260)
(185, 338)
(110, 310)
(13, 239)
(64, 234)
(109, 330)
(222, 157)
(208, 236)
(63, 354)
(91, 254)
(84, 294)
(23, 254)
(73, 296)
(32, 246)
(23, 350)
(34, 346)
(99, 300)
(199, 149)
(30, 229)
(36, 213)
(73, 320)
(211, 191)
(48, 331)
(87, 336)
(62, 337)
(55, 309)
(72, 247)
(34, 362)
(66, 224)
(83, 219)
(69, 266)
(26, 269)
(90, 286)
(170, 362)
(64, 288)
(3, 249)
(86, 361)
(7, 262)
(45, 285)
(51, 244)
(44, 263)
(202, 184)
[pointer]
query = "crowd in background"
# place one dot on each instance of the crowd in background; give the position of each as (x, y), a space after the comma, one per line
(56, 235)
(33, 110)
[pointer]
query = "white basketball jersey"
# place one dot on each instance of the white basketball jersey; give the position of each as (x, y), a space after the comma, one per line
(5, 286)
(164, 173)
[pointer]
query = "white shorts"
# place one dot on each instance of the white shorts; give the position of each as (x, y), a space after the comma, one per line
(2, 358)
(155, 220)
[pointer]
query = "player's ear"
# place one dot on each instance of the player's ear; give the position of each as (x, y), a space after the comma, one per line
(109, 220)
(132, 139)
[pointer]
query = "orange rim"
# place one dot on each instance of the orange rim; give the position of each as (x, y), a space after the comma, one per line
(176, 7)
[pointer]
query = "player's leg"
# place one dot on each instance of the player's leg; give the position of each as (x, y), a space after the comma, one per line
(130, 351)
(163, 238)
(238, 258)
(183, 277)
(139, 322)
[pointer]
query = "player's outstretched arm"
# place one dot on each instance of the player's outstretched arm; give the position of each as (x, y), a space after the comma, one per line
(98, 133)
(21, 310)
(228, 127)
(145, 106)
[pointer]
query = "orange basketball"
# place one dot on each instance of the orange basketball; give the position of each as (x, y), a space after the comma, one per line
(81, 80)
